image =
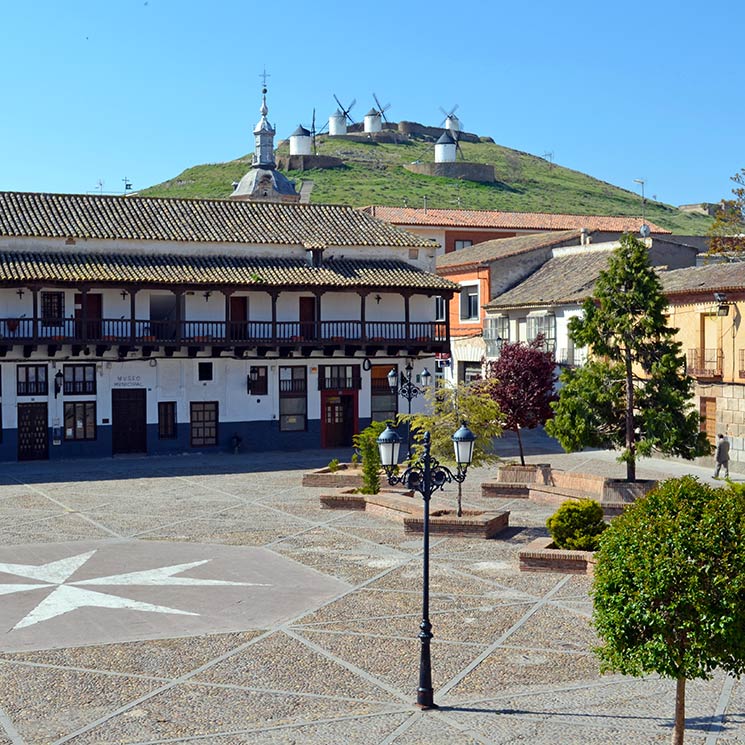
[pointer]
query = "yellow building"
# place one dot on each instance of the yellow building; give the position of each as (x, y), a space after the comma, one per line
(706, 304)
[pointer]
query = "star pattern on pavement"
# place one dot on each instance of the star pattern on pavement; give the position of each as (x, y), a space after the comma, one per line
(67, 596)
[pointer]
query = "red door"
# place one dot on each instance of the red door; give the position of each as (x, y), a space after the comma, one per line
(238, 317)
(307, 316)
(94, 302)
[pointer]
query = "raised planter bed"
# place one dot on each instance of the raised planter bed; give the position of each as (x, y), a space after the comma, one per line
(406, 506)
(472, 523)
(554, 486)
(541, 555)
(346, 474)
(531, 473)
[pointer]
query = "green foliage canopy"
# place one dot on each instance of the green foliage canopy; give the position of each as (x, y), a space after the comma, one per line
(669, 585)
(577, 525)
(635, 395)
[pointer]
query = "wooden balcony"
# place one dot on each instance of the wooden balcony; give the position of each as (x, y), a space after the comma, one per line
(705, 363)
(170, 334)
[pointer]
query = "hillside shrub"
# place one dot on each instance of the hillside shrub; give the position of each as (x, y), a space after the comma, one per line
(577, 525)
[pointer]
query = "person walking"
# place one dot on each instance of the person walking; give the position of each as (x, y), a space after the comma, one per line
(722, 457)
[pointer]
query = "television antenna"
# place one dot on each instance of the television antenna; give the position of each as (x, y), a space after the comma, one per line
(641, 182)
(127, 184)
(381, 109)
(345, 109)
(549, 156)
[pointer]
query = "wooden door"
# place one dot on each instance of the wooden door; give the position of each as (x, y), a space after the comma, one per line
(238, 317)
(307, 316)
(33, 432)
(129, 420)
(339, 420)
(709, 418)
(94, 301)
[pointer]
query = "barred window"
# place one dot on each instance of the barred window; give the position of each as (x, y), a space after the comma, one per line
(79, 379)
(496, 333)
(52, 309)
(31, 380)
(543, 324)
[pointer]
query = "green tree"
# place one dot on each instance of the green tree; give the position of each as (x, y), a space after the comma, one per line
(449, 406)
(669, 587)
(635, 395)
(727, 232)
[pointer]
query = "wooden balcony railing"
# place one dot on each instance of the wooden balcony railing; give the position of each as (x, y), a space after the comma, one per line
(177, 333)
(704, 363)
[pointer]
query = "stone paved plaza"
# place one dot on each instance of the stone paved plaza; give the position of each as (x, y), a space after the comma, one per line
(208, 599)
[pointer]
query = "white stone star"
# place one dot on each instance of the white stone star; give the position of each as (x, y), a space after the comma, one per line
(67, 596)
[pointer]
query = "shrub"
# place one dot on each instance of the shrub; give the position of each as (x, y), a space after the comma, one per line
(333, 465)
(355, 458)
(577, 525)
(366, 444)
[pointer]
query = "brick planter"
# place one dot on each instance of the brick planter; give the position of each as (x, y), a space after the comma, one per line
(347, 474)
(619, 490)
(406, 506)
(531, 473)
(471, 524)
(541, 555)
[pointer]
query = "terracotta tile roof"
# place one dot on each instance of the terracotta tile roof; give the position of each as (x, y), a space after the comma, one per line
(120, 269)
(30, 214)
(508, 220)
(728, 276)
(501, 248)
(563, 279)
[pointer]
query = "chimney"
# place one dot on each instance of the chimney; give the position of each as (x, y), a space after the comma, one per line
(584, 238)
(314, 256)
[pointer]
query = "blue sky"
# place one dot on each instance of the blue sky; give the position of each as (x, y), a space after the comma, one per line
(107, 89)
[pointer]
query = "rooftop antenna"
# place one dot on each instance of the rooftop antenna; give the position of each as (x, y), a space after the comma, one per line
(127, 184)
(641, 182)
(549, 156)
(382, 109)
(346, 109)
(99, 186)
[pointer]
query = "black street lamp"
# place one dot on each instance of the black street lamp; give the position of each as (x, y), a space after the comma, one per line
(425, 476)
(403, 386)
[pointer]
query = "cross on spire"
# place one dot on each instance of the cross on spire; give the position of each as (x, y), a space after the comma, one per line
(264, 75)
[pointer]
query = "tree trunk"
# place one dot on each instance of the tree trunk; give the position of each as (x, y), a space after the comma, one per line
(520, 443)
(630, 434)
(680, 712)
(459, 513)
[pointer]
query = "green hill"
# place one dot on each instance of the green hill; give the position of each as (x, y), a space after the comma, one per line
(373, 173)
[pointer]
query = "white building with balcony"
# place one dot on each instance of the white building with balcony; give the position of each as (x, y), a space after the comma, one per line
(130, 324)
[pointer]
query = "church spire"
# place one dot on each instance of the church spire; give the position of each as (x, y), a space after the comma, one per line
(263, 135)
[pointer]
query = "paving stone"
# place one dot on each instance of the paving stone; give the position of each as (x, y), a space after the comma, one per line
(45, 704)
(193, 710)
(305, 671)
(160, 658)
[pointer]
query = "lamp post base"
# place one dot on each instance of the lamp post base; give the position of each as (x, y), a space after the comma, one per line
(426, 707)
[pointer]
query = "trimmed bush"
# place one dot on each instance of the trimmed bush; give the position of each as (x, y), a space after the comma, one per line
(366, 444)
(577, 525)
(333, 465)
